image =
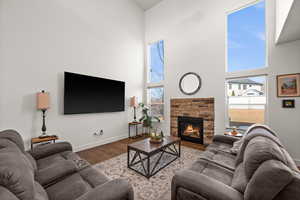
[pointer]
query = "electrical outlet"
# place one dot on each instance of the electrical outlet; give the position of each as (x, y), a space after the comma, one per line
(101, 132)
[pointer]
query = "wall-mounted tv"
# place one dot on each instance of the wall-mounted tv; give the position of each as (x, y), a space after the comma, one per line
(87, 94)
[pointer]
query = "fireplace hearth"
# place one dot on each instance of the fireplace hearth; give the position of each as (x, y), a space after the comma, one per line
(190, 129)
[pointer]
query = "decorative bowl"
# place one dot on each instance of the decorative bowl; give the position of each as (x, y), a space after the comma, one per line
(156, 140)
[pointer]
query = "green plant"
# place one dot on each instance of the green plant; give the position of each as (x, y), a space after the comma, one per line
(146, 119)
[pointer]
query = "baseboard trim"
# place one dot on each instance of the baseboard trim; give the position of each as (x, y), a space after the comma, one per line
(98, 143)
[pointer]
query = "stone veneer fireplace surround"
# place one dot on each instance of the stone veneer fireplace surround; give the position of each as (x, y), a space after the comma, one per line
(195, 108)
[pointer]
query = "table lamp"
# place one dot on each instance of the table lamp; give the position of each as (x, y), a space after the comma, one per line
(43, 104)
(134, 104)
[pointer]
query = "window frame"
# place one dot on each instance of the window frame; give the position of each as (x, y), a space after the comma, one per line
(148, 84)
(263, 71)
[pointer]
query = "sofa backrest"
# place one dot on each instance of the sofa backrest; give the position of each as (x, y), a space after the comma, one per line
(266, 171)
(17, 169)
(16, 174)
(253, 132)
(13, 137)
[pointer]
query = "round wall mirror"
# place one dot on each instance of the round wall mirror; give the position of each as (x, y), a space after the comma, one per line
(190, 83)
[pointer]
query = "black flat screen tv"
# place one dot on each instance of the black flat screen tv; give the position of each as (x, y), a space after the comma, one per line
(87, 94)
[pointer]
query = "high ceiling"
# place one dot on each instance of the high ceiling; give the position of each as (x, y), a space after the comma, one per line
(147, 4)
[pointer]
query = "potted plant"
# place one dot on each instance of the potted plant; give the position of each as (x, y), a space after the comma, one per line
(146, 119)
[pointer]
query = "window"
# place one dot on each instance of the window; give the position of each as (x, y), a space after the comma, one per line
(246, 52)
(246, 38)
(155, 85)
(230, 86)
(156, 62)
(248, 107)
(156, 101)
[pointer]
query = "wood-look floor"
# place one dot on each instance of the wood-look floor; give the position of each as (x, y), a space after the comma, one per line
(107, 151)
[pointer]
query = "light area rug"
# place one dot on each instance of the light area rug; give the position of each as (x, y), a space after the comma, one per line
(158, 187)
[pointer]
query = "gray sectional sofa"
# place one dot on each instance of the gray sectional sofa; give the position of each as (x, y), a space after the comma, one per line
(261, 170)
(52, 172)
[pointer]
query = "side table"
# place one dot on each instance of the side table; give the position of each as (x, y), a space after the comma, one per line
(38, 140)
(135, 126)
(239, 135)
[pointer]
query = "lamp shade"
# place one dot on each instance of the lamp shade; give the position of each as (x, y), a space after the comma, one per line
(43, 100)
(133, 101)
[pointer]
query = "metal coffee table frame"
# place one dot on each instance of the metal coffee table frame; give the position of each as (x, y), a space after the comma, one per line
(148, 172)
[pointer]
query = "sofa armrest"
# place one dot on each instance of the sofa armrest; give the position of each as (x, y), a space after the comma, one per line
(112, 190)
(225, 139)
(204, 186)
(43, 151)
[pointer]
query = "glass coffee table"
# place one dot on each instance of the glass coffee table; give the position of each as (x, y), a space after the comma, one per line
(148, 158)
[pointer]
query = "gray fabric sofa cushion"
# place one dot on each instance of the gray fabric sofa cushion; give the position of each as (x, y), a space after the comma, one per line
(5, 194)
(213, 171)
(31, 160)
(14, 137)
(117, 189)
(55, 171)
(16, 174)
(202, 185)
(224, 159)
(235, 149)
(268, 180)
(259, 150)
(183, 193)
(219, 146)
(42, 151)
(240, 181)
(249, 137)
(93, 177)
(40, 193)
(69, 188)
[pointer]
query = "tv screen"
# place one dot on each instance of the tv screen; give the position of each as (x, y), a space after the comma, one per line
(87, 94)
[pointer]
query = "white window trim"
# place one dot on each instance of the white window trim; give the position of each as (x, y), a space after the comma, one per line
(149, 85)
(262, 71)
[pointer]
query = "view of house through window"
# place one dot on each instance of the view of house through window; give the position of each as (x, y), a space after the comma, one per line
(155, 87)
(246, 104)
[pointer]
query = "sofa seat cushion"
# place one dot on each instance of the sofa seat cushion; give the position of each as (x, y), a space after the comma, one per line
(220, 147)
(50, 160)
(77, 184)
(55, 171)
(40, 192)
(221, 158)
(93, 177)
(69, 188)
(78, 162)
(212, 170)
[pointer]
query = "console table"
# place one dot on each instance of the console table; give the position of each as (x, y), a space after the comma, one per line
(38, 140)
(135, 126)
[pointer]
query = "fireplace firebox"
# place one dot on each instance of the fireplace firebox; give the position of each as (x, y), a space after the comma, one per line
(190, 129)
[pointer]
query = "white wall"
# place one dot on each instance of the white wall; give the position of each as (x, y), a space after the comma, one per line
(194, 32)
(40, 39)
(282, 11)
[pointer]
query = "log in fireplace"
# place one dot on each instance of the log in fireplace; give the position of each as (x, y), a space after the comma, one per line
(190, 129)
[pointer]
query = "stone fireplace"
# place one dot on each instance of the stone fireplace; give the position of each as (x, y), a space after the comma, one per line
(192, 119)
